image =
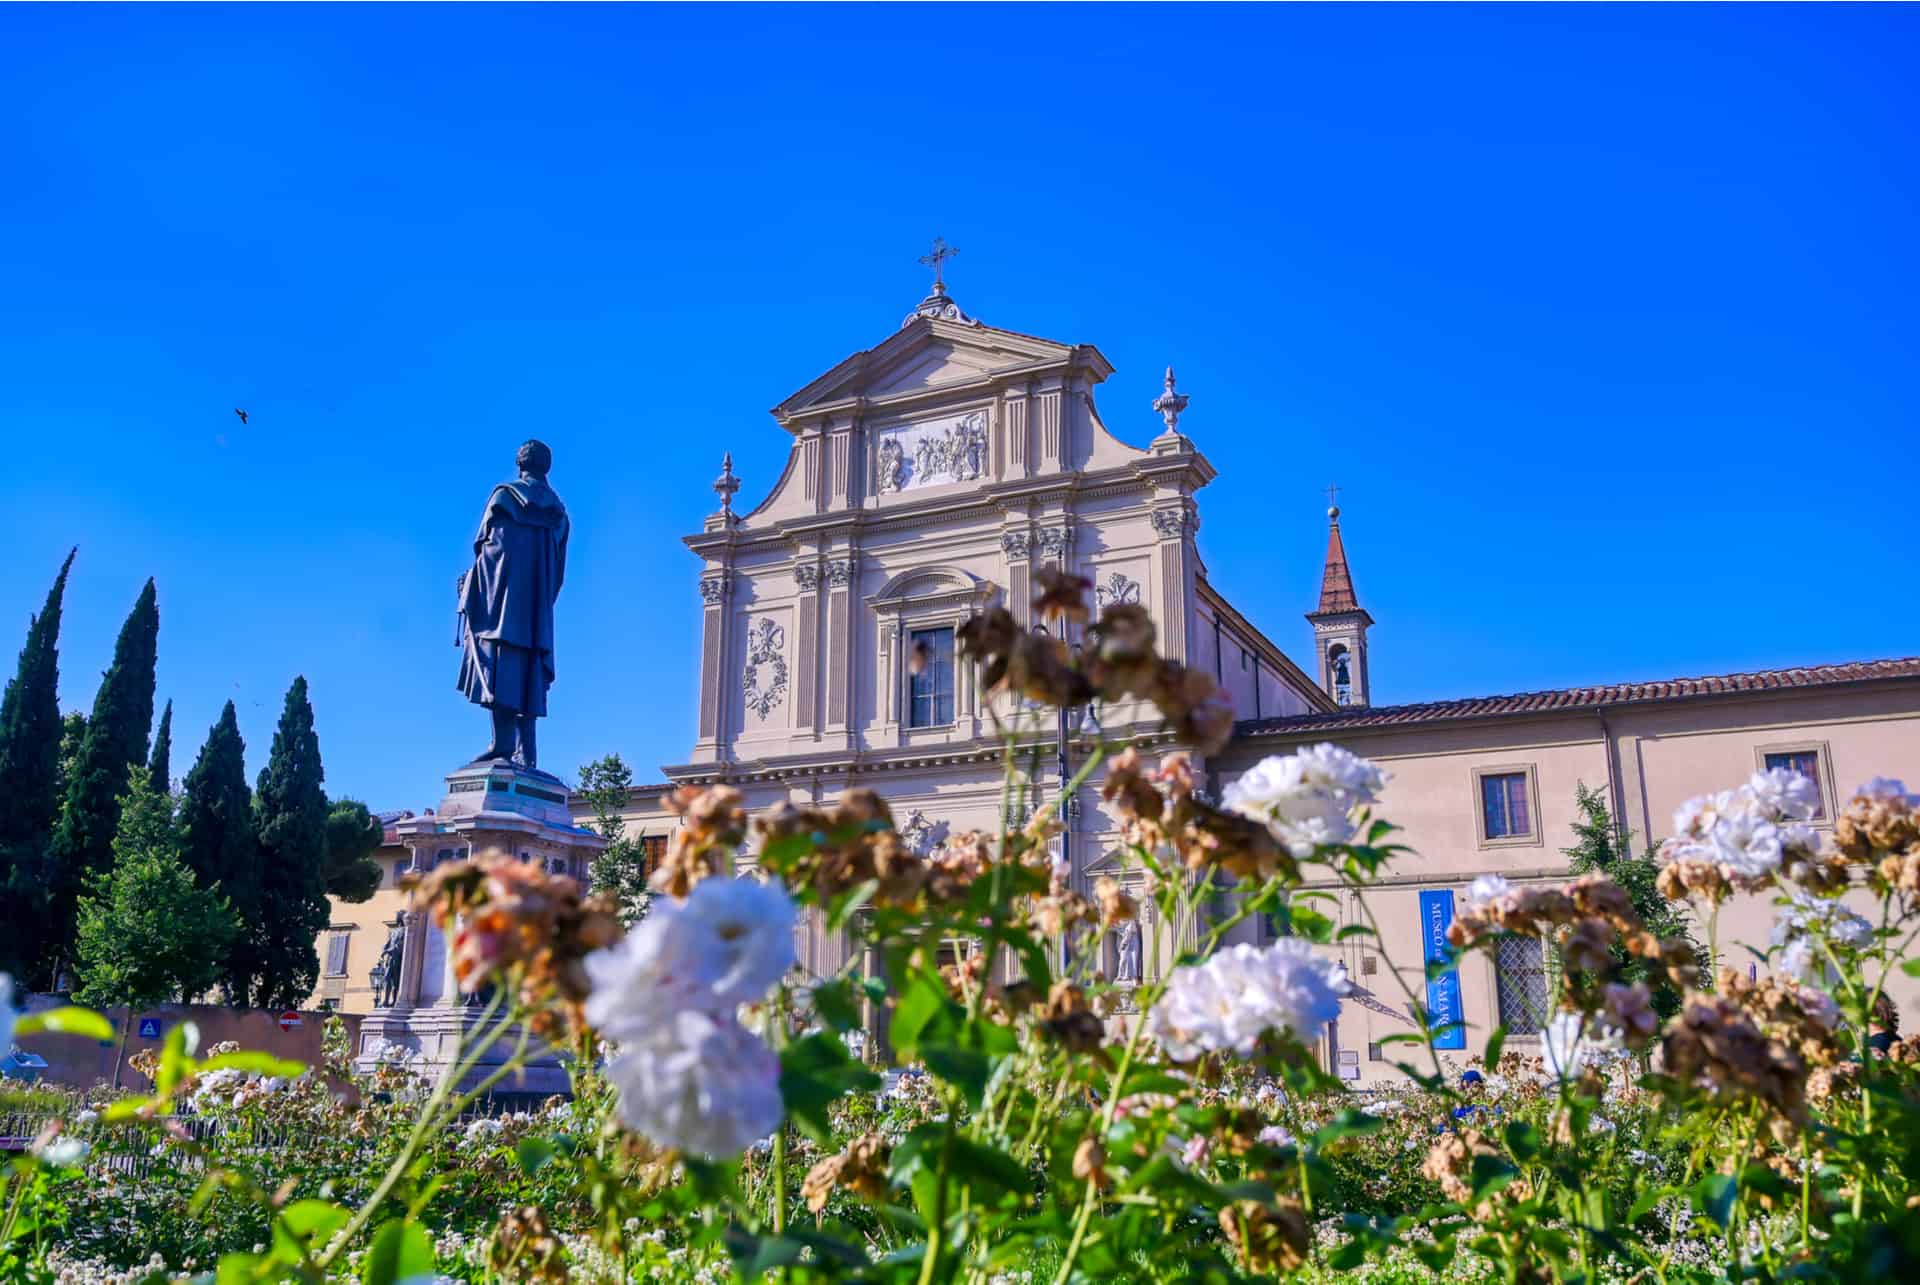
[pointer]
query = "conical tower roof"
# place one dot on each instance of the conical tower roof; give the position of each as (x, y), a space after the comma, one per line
(1336, 582)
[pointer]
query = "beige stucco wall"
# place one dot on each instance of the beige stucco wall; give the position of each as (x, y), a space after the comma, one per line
(1662, 754)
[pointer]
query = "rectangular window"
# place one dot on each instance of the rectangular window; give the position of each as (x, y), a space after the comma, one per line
(1503, 805)
(1520, 974)
(1807, 764)
(337, 943)
(930, 692)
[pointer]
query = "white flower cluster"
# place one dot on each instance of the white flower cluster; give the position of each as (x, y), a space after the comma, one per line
(1487, 889)
(1307, 799)
(1750, 830)
(689, 1074)
(1804, 921)
(1229, 1001)
(233, 1088)
(1573, 1042)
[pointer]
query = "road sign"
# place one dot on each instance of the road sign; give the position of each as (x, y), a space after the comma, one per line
(149, 1028)
(289, 1020)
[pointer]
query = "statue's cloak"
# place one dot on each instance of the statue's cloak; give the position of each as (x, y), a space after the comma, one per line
(506, 600)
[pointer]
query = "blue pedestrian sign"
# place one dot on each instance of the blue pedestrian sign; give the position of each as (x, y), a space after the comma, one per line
(149, 1028)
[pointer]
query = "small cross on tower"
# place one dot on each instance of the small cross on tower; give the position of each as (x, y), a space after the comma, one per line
(936, 259)
(1333, 509)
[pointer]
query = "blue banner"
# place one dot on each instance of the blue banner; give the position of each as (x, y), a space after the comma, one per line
(1444, 1009)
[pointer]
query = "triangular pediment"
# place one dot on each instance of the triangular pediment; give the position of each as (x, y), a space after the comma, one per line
(923, 356)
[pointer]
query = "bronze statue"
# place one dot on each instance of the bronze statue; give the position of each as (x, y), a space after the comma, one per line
(506, 605)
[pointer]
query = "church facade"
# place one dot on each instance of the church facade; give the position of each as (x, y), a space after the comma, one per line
(933, 474)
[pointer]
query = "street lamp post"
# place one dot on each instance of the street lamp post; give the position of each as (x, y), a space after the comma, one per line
(1068, 722)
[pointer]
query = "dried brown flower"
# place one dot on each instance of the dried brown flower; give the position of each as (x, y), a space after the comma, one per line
(524, 1248)
(1115, 905)
(1128, 789)
(860, 1169)
(1267, 1239)
(1193, 705)
(712, 823)
(1062, 596)
(1090, 1163)
(1121, 647)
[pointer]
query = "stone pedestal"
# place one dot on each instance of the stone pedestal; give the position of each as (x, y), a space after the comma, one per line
(491, 809)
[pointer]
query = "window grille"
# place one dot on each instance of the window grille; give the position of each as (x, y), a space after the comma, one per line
(1520, 974)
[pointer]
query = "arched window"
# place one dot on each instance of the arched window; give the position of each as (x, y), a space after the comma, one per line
(1339, 666)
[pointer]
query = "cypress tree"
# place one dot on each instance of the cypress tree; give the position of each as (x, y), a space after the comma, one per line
(30, 729)
(217, 844)
(290, 816)
(160, 762)
(115, 742)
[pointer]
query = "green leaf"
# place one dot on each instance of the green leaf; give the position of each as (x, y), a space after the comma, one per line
(533, 1154)
(400, 1249)
(923, 1001)
(1495, 1042)
(70, 1020)
(176, 1057)
(1911, 967)
(978, 1165)
(1348, 1124)
(1644, 1206)
(966, 1069)
(1714, 1195)
(258, 1063)
(240, 1269)
(1354, 930)
(814, 1073)
(1523, 1139)
(835, 1004)
(1490, 1173)
(309, 1225)
(1310, 923)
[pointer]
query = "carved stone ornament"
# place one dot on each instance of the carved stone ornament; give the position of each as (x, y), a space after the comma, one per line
(765, 641)
(712, 588)
(1169, 522)
(917, 833)
(1054, 541)
(932, 454)
(840, 573)
(1117, 591)
(893, 465)
(1014, 543)
(807, 575)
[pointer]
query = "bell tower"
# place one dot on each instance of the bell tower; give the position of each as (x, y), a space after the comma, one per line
(1340, 623)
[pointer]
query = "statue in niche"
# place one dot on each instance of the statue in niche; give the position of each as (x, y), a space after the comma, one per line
(1127, 966)
(386, 971)
(893, 463)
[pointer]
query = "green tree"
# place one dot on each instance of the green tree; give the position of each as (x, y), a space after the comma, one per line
(290, 816)
(621, 869)
(147, 933)
(115, 742)
(160, 762)
(73, 734)
(30, 770)
(1603, 846)
(352, 835)
(218, 845)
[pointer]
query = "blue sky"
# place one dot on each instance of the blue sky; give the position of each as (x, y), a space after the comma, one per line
(1602, 317)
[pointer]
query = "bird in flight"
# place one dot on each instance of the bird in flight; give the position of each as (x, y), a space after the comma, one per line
(242, 414)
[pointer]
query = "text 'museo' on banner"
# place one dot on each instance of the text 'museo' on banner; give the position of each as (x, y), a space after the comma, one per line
(1444, 1008)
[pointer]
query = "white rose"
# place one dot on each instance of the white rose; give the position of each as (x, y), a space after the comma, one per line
(701, 1082)
(1487, 888)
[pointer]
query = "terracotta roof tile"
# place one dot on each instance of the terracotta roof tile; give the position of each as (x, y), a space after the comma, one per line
(1764, 680)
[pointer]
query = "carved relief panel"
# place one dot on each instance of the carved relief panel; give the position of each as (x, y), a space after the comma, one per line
(934, 452)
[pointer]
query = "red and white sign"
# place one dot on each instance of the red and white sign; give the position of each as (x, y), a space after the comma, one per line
(289, 1020)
